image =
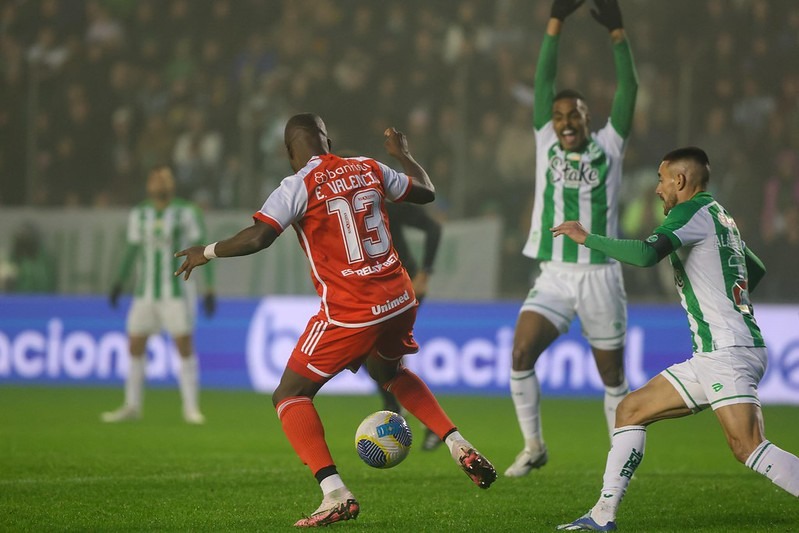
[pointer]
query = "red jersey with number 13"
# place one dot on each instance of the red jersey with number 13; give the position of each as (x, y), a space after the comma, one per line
(336, 207)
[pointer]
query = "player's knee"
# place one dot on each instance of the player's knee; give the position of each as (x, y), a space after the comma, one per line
(289, 388)
(277, 397)
(389, 377)
(629, 412)
(524, 354)
(382, 371)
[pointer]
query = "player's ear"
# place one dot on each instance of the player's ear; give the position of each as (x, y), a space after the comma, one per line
(329, 145)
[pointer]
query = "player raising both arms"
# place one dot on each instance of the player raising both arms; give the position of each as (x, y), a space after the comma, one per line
(578, 175)
(335, 206)
(714, 272)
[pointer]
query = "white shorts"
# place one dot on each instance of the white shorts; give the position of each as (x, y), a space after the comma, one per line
(149, 317)
(595, 293)
(723, 377)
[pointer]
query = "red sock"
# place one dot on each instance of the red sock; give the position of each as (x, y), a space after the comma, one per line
(303, 427)
(414, 396)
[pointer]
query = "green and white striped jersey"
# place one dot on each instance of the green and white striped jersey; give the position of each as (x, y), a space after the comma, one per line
(580, 186)
(158, 235)
(710, 274)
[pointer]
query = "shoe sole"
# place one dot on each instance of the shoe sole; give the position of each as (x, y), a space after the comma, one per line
(581, 524)
(343, 511)
(478, 468)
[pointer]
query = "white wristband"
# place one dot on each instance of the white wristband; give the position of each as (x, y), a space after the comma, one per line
(210, 251)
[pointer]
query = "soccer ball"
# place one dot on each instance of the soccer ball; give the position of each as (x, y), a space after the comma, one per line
(383, 439)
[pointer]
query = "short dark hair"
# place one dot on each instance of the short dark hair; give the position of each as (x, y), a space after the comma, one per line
(306, 121)
(691, 153)
(159, 166)
(569, 93)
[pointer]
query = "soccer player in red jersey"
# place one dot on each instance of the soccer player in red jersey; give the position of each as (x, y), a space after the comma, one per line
(336, 207)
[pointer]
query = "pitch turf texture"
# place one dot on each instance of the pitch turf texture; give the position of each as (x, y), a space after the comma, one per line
(61, 469)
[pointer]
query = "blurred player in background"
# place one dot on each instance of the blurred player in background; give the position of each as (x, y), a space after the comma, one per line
(157, 227)
(578, 175)
(368, 308)
(714, 273)
(401, 216)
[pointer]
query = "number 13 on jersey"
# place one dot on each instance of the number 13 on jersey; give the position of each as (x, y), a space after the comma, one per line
(375, 241)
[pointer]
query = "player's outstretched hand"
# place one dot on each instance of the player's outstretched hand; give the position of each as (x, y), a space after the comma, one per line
(608, 14)
(396, 144)
(194, 258)
(572, 229)
(209, 304)
(113, 298)
(563, 8)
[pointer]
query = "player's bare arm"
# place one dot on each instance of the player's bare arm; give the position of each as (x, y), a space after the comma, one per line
(248, 241)
(422, 190)
(571, 229)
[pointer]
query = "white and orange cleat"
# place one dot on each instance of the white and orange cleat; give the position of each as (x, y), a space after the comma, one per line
(337, 506)
(478, 468)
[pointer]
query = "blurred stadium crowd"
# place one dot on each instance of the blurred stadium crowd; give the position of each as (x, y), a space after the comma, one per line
(93, 92)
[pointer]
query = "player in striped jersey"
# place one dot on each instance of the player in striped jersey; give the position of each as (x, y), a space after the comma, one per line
(714, 273)
(578, 176)
(156, 228)
(368, 306)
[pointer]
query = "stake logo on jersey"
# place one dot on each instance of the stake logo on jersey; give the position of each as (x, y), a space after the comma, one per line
(336, 207)
(708, 246)
(575, 170)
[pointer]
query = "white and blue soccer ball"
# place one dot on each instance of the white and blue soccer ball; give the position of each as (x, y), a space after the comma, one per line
(383, 439)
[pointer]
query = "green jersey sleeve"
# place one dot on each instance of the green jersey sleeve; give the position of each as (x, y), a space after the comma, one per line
(544, 89)
(621, 115)
(128, 260)
(755, 268)
(631, 251)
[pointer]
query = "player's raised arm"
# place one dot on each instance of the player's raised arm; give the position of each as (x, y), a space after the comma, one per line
(247, 241)
(547, 65)
(608, 14)
(422, 189)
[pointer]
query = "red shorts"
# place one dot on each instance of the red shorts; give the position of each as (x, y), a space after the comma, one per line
(325, 349)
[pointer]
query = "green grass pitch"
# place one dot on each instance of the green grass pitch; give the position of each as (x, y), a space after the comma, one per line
(61, 469)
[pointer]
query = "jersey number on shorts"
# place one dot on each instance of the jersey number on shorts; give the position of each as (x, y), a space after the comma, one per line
(377, 242)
